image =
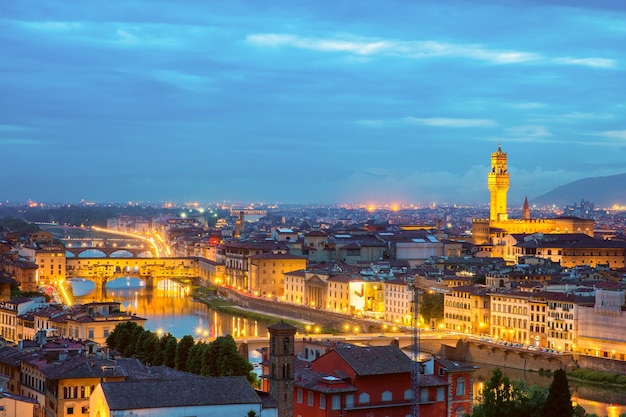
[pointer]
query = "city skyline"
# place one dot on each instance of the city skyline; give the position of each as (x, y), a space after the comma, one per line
(387, 102)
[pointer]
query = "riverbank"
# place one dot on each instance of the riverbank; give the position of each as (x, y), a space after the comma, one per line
(601, 378)
(210, 298)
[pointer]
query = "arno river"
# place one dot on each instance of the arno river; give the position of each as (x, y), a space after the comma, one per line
(172, 310)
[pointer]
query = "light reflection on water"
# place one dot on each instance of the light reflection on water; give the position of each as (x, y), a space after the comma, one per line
(594, 400)
(170, 309)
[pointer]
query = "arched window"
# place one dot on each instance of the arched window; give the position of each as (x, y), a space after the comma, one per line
(364, 398)
(460, 386)
(408, 394)
(386, 396)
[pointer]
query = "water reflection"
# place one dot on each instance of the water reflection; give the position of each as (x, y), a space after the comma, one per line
(600, 401)
(169, 308)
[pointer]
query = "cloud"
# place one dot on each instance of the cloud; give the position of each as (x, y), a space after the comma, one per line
(409, 49)
(418, 50)
(159, 35)
(614, 134)
(15, 128)
(527, 105)
(450, 122)
(18, 142)
(527, 133)
(587, 62)
(183, 80)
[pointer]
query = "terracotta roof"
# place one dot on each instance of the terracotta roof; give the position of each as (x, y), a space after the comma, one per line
(130, 395)
(375, 360)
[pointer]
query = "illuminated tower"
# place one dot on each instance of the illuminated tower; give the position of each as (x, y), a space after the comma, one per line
(498, 183)
(281, 366)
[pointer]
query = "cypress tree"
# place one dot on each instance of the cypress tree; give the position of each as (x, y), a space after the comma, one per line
(559, 401)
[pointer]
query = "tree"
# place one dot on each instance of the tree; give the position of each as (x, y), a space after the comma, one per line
(222, 359)
(169, 354)
(182, 352)
(559, 401)
(194, 360)
(431, 307)
(501, 398)
(121, 336)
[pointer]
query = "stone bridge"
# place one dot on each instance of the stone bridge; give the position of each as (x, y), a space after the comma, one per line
(149, 270)
(108, 251)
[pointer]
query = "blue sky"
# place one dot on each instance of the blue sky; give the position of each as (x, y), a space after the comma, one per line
(307, 101)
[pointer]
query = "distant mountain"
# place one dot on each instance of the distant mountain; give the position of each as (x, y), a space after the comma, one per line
(604, 192)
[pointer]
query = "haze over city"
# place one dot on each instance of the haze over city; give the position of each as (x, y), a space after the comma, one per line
(397, 101)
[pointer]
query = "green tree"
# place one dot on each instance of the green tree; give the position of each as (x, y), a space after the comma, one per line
(431, 307)
(535, 397)
(559, 401)
(500, 398)
(121, 336)
(194, 360)
(182, 352)
(149, 352)
(169, 354)
(223, 359)
(480, 279)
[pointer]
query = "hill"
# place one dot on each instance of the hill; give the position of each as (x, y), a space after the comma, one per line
(604, 192)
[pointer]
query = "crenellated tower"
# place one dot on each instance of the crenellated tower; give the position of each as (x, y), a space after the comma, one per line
(498, 183)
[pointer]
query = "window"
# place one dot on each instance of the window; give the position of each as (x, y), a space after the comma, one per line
(386, 396)
(408, 394)
(299, 395)
(70, 410)
(424, 395)
(441, 393)
(322, 402)
(349, 400)
(336, 402)
(460, 386)
(364, 398)
(310, 400)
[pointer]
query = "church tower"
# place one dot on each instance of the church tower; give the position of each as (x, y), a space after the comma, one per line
(498, 184)
(281, 366)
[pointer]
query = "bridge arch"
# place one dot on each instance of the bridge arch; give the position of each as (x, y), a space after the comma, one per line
(108, 252)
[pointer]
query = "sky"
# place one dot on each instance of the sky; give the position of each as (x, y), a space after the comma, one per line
(307, 101)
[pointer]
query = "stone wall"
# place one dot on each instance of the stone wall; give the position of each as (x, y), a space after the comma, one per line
(325, 319)
(468, 350)
(601, 364)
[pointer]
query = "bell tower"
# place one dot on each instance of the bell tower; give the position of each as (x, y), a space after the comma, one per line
(498, 184)
(281, 366)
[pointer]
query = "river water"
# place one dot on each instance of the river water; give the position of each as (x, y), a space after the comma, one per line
(169, 308)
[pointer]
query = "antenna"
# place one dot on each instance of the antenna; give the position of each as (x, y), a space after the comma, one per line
(415, 348)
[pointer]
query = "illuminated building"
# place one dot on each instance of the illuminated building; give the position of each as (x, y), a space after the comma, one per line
(267, 272)
(498, 225)
(466, 309)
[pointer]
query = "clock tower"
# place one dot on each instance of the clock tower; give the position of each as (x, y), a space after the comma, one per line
(498, 184)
